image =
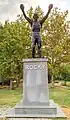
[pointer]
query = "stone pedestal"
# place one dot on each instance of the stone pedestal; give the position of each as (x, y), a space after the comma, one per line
(35, 102)
(35, 82)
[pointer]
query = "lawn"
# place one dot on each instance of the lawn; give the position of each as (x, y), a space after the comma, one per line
(10, 97)
(58, 94)
(61, 96)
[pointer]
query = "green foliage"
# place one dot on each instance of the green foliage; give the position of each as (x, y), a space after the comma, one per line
(39, 11)
(14, 38)
(15, 43)
(64, 73)
(56, 40)
(30, 13)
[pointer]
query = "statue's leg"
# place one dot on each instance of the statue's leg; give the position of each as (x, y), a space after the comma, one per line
(39, 47)
(33, 46)
(39, 50)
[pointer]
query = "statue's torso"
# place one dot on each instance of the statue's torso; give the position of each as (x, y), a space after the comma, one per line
(36, 26)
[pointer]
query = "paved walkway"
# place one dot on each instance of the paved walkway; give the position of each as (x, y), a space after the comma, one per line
(3, 111)
(24, 119)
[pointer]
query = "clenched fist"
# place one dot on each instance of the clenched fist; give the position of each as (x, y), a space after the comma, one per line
(22, 7)
(50, 6)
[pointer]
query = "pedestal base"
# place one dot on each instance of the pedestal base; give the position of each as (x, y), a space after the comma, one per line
(36, 101)
(22, 111)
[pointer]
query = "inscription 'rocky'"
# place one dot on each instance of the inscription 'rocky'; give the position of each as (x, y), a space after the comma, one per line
(34, 67)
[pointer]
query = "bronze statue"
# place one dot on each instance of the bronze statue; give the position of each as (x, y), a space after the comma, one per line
(36, 25)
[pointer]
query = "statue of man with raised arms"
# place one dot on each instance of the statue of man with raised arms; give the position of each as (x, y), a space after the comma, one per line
(36, 26)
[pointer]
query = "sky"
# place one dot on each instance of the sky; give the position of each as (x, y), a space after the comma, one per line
(9, 9)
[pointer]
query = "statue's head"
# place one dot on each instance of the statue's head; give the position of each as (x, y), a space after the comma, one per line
(35, 16)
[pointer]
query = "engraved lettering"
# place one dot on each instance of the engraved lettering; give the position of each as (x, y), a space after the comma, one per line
(35, 67)
(39, 66)
(31, 67)
(43, 66)
(26, 67)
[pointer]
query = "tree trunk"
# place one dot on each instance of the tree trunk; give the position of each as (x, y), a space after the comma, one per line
(11, 86)
(52, 81)
(65, 83)
(52, 71)
(2, 83)
(17, 83)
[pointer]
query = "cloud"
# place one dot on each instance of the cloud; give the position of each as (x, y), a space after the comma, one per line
(62, 4)
(9, 9)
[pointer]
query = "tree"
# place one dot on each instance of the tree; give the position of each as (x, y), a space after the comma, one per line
(64, 73)
(15, 43)
(56, 40)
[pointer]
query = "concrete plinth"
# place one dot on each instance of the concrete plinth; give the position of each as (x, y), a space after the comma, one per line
(35, 102)
(22, 111)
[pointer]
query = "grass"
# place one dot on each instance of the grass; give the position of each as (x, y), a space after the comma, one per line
(58, 94)
(61, 96)
(10, 97)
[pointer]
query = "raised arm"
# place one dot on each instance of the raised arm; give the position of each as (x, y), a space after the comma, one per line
(45, 17)
(27, 18)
